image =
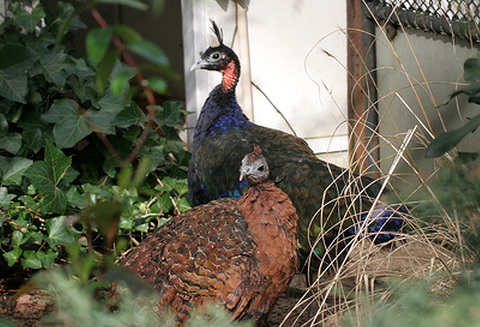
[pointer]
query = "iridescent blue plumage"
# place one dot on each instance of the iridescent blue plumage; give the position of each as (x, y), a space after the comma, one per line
(382, 225)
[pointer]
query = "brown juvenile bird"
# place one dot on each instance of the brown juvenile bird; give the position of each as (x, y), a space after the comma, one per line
(237, 253)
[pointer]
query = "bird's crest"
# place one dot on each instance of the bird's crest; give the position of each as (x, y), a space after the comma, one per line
(215, 38)
(257, 150)
(256, 154)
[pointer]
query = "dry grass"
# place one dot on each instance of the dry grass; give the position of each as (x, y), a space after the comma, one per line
(347, 286)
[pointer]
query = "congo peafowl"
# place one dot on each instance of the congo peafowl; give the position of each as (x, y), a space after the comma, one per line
(238, 253)
(222, 133)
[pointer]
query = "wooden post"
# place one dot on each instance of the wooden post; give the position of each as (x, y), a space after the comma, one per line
(364, 153)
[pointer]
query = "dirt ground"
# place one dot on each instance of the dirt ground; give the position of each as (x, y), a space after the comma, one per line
(408, 259)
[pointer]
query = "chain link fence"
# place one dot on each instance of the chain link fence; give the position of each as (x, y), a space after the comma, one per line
(460, 18)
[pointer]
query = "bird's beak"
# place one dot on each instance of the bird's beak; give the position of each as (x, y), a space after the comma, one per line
(243, 174)
(201, 64)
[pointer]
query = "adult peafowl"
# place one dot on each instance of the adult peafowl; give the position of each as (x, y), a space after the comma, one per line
(323, 194)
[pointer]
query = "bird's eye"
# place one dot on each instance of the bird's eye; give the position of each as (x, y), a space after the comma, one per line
(261, 168)
(216, 56)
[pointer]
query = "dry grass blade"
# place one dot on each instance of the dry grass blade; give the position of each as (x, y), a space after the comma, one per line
(346, 287)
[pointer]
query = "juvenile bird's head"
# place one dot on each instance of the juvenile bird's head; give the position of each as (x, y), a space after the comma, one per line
(221, 58)
(254, 167)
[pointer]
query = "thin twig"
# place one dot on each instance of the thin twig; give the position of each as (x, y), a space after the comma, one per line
(141, 81)
(275, 107)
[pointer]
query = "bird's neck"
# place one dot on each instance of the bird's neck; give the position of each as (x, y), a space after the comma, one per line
(230, 76)
(221, 111)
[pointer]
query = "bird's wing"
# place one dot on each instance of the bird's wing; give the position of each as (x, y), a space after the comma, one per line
(203, 255)
(217, 162)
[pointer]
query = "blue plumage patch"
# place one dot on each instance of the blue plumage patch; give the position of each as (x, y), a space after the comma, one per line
(224, 123)
(236, 192)
(382, 226)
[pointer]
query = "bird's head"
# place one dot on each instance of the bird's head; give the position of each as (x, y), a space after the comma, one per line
(218, 56)
(254, 167)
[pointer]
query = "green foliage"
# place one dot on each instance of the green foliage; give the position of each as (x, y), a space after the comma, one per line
(216, 317)
(456, 187)
(76, 148)
(417, 305)
(78, 305)
(89, 302)
(444, 300)
(448, 140)
(72, 188)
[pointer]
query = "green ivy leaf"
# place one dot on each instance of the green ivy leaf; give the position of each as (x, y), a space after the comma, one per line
(170, 114)
(58, 233)
(163, 204)
(126, 224)
(18, 238)
(70, 125)
(11, 143)
(75, 199)
(30, 260)
(448, 140)
(142, 228)
(13, 54)
(66, 13)
(46, 175)
(131, 115)
(13, 84)
(149, 51)
(55, 199)
(158, 157)
(53, 67)
(33, 139)
(29, 21)
(47, 258)
(37, 237)
(5, 198)
(3, 125)
(97, 43)
(183, 205)
(13, 169)
(102, 119)
(111, 106)
(57, 162)
(12, 256)
(80, 69)
(136, 4)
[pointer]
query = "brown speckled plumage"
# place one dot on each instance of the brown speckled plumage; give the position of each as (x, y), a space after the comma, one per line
(238, 253)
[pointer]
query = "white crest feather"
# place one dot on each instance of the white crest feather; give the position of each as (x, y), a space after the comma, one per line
(215, 36)
(212, 40)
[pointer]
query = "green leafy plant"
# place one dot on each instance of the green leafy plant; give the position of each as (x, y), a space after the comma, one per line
(417, 305)
(76, 137)
(448, 140)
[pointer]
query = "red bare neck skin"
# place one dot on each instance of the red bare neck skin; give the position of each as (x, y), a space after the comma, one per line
(230, 77)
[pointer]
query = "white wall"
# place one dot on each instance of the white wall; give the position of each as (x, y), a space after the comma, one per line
(416, 72)
(286, 43)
